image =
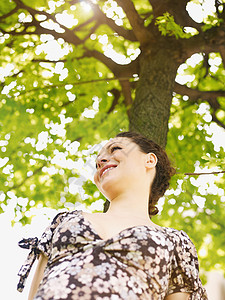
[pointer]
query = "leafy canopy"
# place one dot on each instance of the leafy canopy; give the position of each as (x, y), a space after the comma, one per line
(69, 74)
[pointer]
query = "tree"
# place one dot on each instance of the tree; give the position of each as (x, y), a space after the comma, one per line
(75, 73)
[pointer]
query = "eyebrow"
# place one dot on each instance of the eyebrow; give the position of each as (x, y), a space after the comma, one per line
(108, 147)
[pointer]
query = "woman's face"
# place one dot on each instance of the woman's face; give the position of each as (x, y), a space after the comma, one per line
(120, 165)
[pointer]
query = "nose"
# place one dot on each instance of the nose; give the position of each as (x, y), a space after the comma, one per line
(101, 161)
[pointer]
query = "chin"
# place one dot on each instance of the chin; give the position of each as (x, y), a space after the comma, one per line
(111, 191)
(108, 191)
(107, 188)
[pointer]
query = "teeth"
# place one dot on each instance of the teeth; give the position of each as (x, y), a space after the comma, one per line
(107, 170)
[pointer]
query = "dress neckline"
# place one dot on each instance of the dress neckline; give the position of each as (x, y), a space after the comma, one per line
(151, 228)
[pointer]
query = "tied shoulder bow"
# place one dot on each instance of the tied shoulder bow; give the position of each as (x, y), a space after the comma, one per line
(32, 244)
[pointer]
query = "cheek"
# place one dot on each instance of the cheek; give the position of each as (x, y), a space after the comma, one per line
(96, 179)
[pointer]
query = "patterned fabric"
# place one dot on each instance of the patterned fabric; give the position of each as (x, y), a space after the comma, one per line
(24, 271)
(140, 262)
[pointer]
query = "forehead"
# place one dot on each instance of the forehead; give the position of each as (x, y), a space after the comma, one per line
(122, 141)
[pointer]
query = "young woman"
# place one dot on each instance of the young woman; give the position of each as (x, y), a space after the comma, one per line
(119, 254)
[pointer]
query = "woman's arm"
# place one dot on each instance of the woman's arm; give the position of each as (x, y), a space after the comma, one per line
(178, 296)
(38, 275)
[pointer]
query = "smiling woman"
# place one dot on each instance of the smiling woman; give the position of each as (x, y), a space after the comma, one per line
(119, 254)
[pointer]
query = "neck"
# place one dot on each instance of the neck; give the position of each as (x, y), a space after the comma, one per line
(130, 203)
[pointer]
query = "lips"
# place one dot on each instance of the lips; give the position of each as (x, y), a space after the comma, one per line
(105, 168)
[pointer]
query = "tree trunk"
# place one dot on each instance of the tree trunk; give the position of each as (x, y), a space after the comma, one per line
(151, 108)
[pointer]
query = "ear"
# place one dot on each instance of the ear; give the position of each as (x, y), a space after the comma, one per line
(151, 160)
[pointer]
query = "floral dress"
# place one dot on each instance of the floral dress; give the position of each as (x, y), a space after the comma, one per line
(140, 262)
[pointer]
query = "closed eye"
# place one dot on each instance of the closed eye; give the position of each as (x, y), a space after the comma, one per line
(114, 148)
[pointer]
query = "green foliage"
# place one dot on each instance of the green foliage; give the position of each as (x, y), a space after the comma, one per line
(211, 21)
(143, 7)
(167, 26)
(6, 6)
(215, 161)
(54, 113)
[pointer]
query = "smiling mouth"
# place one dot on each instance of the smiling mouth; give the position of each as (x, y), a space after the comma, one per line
(106, 170)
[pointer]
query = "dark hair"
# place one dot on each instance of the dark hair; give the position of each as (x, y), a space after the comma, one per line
(164, 169)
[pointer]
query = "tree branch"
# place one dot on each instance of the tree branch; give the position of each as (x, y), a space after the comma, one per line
(35, 60)
(116, 93)
(177, 9)
(80, 26)
(26, 178)
(220, 15)
(9, 13)
(2, 84)
(143, 35)
(203, 173)
(72, 83)
(195, 95)
(117, 70)
(91, 32)
(209, 41)
(126, 89)
(68, 35)
(216, 120)
(209, 96)
(222, 53)
(103, 19)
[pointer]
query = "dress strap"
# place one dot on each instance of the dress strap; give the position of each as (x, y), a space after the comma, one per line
(32, 244)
